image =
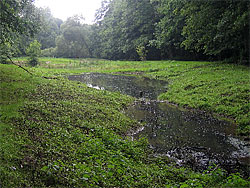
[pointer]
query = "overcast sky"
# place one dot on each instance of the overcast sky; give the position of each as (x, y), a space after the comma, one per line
(66, 8)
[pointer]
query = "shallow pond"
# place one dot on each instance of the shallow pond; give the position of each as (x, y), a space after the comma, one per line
(188, 137)
(129, 85)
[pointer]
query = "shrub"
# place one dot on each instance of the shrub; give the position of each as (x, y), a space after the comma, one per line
(34, 51)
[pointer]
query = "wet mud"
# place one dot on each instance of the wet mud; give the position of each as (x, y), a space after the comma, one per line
(190, 138)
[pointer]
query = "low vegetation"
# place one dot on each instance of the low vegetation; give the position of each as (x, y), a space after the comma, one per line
(57, 133)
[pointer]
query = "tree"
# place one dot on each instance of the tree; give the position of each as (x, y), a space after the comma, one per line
(138, 28)
(210, 29)
(18, 17)
(108, 30)
(218, 28)
(168, 37)
(34, 51)
(74, 41)
(123, 26)
(50, 29)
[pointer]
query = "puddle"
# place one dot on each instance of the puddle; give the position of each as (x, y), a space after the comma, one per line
(189, 138)
(129, 85)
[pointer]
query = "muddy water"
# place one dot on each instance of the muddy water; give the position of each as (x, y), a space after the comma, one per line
(189, 138)
(193, 138)
(129, 85)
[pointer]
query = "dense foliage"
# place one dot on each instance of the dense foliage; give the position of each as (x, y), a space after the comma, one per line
(125, 29)
(219, 28)
(174, 29)
(125, 26)
(50, 29)
(74, 40)
(17, 18)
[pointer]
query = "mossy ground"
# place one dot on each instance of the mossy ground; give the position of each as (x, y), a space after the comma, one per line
(57, 133)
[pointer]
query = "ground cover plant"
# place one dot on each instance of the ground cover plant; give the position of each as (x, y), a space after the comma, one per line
(57, 133)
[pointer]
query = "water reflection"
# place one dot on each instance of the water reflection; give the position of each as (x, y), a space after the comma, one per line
(129, 85)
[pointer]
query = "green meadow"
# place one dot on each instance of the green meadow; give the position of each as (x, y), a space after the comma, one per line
(59, 133)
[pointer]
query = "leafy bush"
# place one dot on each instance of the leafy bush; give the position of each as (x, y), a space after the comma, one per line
(34, 51)
(235, 180)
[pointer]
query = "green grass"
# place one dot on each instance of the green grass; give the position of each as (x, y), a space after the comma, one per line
(57, 133)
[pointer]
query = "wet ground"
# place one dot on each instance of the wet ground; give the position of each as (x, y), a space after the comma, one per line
(190, 138)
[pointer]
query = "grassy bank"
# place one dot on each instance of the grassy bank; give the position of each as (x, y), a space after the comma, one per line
(223, 89)
(57, 133)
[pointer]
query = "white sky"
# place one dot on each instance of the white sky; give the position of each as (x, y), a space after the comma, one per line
(66, 8)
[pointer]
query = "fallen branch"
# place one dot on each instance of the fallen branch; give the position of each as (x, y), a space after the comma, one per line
(19, 66)
(50, 77)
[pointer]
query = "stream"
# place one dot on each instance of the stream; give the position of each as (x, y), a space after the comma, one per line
(191, 138)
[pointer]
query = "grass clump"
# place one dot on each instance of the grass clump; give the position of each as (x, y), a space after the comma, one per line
(57, 133)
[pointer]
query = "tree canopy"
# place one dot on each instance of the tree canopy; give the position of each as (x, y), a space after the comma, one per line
(174, 29)
(17, 18)
(219, 28)
(133, 29)
(74, 40)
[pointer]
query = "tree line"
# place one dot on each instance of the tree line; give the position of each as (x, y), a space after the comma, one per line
(132, 30)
